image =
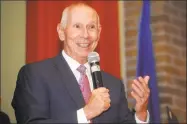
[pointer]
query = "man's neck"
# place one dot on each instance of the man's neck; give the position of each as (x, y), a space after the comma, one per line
(81, 60)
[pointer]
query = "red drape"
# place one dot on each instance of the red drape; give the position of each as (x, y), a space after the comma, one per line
(42, 39)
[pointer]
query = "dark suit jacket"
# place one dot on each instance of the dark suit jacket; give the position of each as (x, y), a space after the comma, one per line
(48, 92)
(4, 119)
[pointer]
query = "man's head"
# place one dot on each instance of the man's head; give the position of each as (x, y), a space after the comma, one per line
(80, 30)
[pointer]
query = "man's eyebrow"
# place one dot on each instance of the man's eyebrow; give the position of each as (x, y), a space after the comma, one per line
(93, 22)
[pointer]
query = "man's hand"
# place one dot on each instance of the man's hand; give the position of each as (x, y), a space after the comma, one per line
(141, 94)
(98, 103)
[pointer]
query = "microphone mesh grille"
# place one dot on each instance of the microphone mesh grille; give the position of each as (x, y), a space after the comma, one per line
(93, 57)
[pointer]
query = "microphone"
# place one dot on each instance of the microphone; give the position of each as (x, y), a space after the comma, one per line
(93, 60)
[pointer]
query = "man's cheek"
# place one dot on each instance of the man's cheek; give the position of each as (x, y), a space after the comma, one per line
(93, 37)
(74, 34)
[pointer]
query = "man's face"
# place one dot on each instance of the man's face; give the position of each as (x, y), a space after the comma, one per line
(81, 33)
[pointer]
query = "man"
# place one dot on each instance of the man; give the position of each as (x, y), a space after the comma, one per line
(51, 91)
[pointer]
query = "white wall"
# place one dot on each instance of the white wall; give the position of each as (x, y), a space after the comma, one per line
(13, 23)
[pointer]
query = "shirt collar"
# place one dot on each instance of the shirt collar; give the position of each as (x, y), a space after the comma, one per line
(73, 64)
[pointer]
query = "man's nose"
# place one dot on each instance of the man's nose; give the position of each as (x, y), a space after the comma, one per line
(85, 33)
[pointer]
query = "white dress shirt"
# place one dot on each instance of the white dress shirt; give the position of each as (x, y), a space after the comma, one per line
(73, 64)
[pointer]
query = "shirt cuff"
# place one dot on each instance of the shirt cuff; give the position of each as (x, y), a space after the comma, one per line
(81, 117)
(144, 122)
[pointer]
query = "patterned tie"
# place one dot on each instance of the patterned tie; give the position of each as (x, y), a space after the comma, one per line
(84, 83)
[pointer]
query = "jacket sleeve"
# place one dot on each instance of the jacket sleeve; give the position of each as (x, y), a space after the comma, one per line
(125, 115)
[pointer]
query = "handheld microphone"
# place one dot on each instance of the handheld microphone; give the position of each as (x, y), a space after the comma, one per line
(93, 60)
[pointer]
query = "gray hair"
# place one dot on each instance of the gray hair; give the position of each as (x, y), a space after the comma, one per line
(64, 18)
(65, 13)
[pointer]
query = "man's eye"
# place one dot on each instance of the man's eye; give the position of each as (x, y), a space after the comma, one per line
(92, 26)
(77, 26)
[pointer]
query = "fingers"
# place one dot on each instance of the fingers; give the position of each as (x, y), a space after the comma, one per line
(101, 90)
(135, 96)
(138, 88)
(102, 94)
(141, 93)
(105, 97)
(107, 100)
(106, 105)
(146, 78)
(144, 82)
(141, 85)
(99, 101)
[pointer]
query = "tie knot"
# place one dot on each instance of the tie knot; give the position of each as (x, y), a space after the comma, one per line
(81, 69)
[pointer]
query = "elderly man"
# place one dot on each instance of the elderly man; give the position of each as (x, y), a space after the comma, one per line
(50, 91)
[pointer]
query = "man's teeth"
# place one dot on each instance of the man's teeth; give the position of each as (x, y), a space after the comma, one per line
(84, 45)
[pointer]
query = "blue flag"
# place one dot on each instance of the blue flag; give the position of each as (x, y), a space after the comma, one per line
(146, 61)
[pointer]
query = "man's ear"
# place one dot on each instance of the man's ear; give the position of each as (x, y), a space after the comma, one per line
(60, 31)
(99, 29)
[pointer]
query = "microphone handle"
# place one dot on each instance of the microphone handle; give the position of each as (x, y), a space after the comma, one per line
(97, 79)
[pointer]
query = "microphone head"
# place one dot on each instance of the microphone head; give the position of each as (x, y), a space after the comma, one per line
(93, 57)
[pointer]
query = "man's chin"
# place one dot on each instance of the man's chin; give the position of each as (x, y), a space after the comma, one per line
(84, 55)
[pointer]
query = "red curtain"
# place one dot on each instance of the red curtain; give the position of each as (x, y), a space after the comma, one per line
(42, 39)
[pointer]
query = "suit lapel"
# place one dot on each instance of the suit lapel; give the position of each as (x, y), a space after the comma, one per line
(69, 80)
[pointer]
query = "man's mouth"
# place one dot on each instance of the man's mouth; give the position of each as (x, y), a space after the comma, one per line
(83, 45)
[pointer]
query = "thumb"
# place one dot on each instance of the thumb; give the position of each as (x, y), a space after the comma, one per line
(146, 78)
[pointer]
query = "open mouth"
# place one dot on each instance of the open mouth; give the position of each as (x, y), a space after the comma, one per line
(83, 45)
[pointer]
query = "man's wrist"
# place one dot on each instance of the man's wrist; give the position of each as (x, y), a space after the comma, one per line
(142, 115)
(87, 113)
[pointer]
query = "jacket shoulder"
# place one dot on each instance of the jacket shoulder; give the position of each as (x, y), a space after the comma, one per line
(38, 67)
